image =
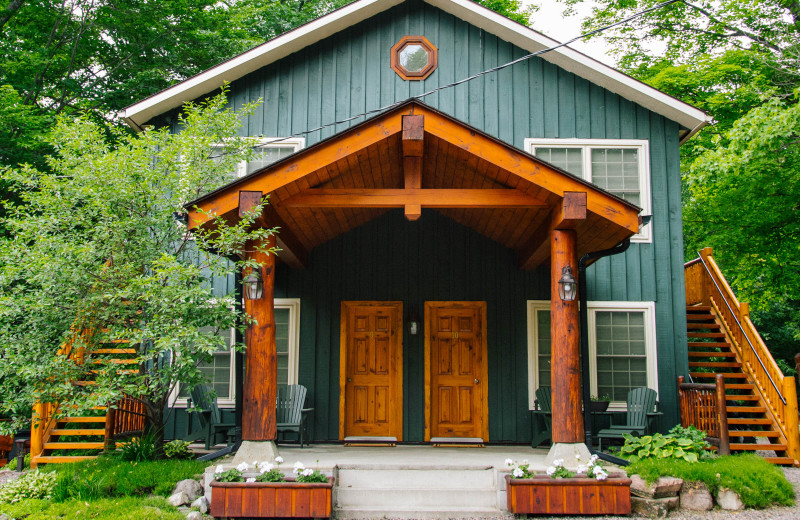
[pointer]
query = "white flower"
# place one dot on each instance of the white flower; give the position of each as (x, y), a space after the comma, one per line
(597, 470)
(601, 476)
(558, 462)
(578, 456)
(264, 467)
(308, 472)
(509, 462)
(299, 465)
(550, 470)
(219, 469)
(279, 459)
(581, 469)
(242, 467)
(593, 459)
(251, 479)
(517, 473)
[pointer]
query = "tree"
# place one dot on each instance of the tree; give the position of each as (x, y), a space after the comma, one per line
(96, 255)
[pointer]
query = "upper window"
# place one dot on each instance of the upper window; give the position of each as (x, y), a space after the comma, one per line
(414, 57)
(267, 151)
(219, 372)
(622, 348)
(620, 167)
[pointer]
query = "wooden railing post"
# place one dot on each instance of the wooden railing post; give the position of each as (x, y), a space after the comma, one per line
(38, 423)
(705, 253)
(722, 417)
(109, 434)
(791, 418)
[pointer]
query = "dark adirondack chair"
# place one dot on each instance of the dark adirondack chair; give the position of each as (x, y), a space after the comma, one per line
(291, 416)
(210, 418)
(543, 399)
(641, 402)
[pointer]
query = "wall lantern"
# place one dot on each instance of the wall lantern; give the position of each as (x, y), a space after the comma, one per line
(567, 286)
(413, 322)
(254, 284)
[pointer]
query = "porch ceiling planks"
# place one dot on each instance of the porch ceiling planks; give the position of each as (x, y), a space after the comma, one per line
(478, 181)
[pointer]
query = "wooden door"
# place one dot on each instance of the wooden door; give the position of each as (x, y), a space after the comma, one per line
(371, 370)
(455, 370)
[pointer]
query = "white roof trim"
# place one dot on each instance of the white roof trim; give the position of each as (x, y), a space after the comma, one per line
(565, 57)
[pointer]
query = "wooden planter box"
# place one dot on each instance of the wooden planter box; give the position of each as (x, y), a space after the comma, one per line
(271, 499)
(569, 496)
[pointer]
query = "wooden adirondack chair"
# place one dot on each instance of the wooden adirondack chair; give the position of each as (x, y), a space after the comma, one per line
(641, 402)
(291, 416)
(210, 418)
(543, 399)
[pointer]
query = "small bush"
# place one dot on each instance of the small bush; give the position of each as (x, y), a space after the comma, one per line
(34, 484)
(177, 449)
(139, 449)
(113, 477)
(758, 483)
(12, 464)
(679, 444)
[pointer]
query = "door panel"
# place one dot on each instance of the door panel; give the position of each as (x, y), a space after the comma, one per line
(371, 370)
(455, 370)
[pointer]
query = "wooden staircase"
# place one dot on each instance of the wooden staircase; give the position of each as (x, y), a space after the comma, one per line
(761, 403)
(62, 438)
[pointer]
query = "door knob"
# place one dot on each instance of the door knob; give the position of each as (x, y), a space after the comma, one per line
(350, 380)
(476, 381)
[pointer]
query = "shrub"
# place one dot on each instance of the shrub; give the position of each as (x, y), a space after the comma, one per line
(758, 483)
(113, 477)
(139, 449)
(12, 464)
(34, 484)
(680, 443)
(177, 449)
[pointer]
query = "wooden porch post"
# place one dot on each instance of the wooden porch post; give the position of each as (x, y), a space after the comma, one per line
(260, 385)
(565, 344)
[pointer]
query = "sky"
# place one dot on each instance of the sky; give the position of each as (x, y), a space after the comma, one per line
(548, 20)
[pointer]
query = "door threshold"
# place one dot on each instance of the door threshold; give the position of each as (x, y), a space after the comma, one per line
(368, 441)
(457, 442)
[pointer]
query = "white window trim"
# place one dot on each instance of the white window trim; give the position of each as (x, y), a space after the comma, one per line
(645, 235)
(293, 304)
(298, 143)
(649, 309)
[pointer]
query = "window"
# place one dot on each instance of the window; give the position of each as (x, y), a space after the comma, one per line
(621, 167)
(622, 348)
(220, 371)
(268, 151)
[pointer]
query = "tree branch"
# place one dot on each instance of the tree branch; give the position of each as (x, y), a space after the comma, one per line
(10, 10)
(737, 31)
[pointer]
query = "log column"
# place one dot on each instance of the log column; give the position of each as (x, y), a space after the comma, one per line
(565, 368)
(260, 384)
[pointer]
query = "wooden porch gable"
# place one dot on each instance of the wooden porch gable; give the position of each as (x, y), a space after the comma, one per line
(414, 157)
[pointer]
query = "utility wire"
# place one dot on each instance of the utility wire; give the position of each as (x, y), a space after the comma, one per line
(468, 78)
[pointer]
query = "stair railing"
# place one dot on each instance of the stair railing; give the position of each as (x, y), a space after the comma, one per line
(704, 407)
(126, 417)
(705, 285)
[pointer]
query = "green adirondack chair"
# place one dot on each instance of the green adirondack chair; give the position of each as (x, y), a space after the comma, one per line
(543, 398)
(641, 402)
(291, 416)
(210, 418)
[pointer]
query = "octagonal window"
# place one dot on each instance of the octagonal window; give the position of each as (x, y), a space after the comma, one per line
(413, 57)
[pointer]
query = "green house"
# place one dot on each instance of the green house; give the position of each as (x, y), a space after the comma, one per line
(424, 228)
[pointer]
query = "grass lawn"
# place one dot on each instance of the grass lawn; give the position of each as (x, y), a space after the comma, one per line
(125, 508)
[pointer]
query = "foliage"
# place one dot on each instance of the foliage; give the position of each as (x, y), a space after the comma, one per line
(592, 469)
(139, 449)
(680, 443)
(307, 475)
(12, 464)
(602, 398)
(96, 248)
(231, 475)
(514, 9)
(272, 475)
(758, 483)
(145, 508)
(33, 484)
(520, 469)
(177, 449)
(108, 477)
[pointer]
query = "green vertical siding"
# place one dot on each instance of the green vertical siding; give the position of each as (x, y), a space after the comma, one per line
(349, 73)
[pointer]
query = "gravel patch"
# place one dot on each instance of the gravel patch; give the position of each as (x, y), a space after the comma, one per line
(8, 475)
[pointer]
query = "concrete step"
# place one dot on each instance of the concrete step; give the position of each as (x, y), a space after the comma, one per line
(431, 499)
(463, 513)
(416, 478)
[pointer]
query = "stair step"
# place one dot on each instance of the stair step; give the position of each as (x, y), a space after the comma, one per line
(81, 431)
(114, 362)
(709, 326)
(114, 351)
(699, 317)
(118, 371)
(757, 447)
(706, 334)
(746, 409)
(738, 386)
(700, 308)
(707, 375)
(709, 344)
(749, 433)
(717, 364)
(62, 459)
(748, 422)
(99, 419)
(782, 461)
(734, 397)
(712, 354)
(74, 445)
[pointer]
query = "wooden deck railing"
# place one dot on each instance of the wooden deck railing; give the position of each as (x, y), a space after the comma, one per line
(705, 285)
(124, 418)
(704, 407)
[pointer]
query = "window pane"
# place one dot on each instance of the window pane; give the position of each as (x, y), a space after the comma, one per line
(617, 170)
(621, 352)
(266, 155)
(282, 344)
(543, 341)
(217, 371)
(569, 159)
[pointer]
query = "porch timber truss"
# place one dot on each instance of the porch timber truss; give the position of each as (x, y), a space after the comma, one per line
(414, 157)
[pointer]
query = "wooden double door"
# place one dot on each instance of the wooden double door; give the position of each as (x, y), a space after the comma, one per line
(371, 370)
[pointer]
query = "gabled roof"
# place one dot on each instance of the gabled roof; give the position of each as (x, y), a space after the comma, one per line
(567, 58)
(415, 157)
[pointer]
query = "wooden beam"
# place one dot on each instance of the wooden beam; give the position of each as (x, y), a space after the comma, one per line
(261, 378)
(292, 251)
(413, 149)
(413, 135)
(567, 215)
(398, 198)
(565, 364)
(248, 200)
